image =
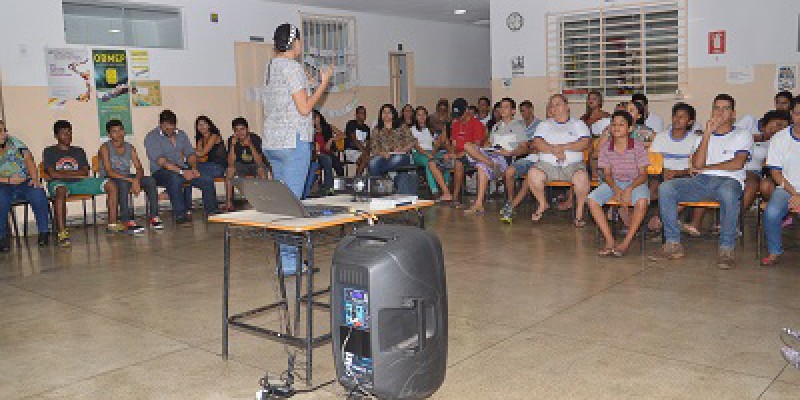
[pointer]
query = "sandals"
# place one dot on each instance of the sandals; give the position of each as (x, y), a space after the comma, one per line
(472, 211)
(579, 222)
(690, 230)
(605, 252)
(771, 260)
(537, 216)
(617, 252)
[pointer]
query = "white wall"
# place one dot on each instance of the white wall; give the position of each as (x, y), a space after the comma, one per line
(446, 55)
(758, 32)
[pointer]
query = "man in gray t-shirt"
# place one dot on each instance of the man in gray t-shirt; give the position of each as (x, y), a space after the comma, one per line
(173, 163)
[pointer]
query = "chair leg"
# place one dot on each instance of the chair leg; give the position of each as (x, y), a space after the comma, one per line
(759, 233)
(94, 210)
(25, 222)
(14, 224)
(85, 216)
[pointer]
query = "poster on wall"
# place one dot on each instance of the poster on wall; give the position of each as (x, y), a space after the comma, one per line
(68, 76)
(113, 92)
(517, 66)
(716, 42)
(146, 93)
(739, 74)
(786, 77)
(140, 64)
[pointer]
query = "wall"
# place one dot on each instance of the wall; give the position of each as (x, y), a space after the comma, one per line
(451, 61)
(759, 33)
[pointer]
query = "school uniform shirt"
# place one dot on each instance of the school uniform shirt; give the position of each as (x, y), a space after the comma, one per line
(759, 155)
(599, 126)
(507, 135)
(724, 147)
(530, 130)
(676, 152)
(783, 154)
(554, 132)
(655, 122)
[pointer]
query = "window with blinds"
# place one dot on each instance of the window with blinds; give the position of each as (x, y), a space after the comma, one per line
(331, 41)
(619, 51)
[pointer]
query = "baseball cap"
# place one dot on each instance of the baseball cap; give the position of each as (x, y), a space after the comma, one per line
(459, 106)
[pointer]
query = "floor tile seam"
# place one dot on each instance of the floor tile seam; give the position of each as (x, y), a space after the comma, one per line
(772, 382)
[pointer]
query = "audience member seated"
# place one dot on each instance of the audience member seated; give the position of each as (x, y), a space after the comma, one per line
(653, 121)
(325, 138)
(489, 125)
(784, 101)
(116, 159)
(484, 114)
(676, 146)
(506, 140)
(426, 153)
(69, 170)
(407, 115)
(173, 163)
(210, 149)
(244, 157)
(356, 142)
(464, 129)
(594, 109)
(624, 161)
(784, 166)
(758, 179)
(561, 142)
(717, 169)
(390, 143)
(19, 181)
(441, 120)
(519, 168)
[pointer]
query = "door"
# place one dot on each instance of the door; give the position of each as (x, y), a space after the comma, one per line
(251, 60)
(401, 78)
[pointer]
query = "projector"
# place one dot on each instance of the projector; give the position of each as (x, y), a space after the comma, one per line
(363, 187)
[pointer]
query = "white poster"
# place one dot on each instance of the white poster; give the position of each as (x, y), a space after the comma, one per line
(517, 66)
(740, 74)
(140, 64)
(68, 76)
(786, 77)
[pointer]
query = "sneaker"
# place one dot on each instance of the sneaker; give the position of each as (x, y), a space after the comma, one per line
(670, 251)
(506, 208)
(5, 244)
(507, 215)
(182, 220)
(133, 228)
(115, 228)
(791, 356)
(726, 259)
(44, 239)
(156, 223)
(63, 239)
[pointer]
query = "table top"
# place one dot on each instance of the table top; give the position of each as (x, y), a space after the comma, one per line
(359, 212)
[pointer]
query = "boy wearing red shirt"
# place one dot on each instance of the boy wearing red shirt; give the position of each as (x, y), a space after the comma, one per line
(464, 129)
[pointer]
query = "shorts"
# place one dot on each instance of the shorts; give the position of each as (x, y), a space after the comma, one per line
(246, 169)
(499, 160)
(562, 173)
(603, 193)
(84, 186)
(521, 167)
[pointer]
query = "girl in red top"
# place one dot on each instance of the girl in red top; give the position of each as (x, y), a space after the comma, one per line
(325, 138)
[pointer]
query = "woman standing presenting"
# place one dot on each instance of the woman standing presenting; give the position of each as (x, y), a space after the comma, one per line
(288, 125)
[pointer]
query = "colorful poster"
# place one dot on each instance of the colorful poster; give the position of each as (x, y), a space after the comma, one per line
(113, 92)
(68, 76)
(140, 64)
(786, 77)
(146, 93)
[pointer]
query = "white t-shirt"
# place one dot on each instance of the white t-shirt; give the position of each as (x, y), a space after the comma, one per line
(783, 150)
(677, 153)
(423, 137)
(485, 120)
(557, 133)
(600, 125)
(655, 123)
(507, 135)
(759, 154)
(722, 148)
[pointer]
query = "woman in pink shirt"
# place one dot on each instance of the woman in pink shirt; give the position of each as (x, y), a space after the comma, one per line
(624, 162)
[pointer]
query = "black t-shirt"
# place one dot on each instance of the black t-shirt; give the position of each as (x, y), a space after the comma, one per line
(217, 154)
(243, 153)
(350, 133)
(72, 159)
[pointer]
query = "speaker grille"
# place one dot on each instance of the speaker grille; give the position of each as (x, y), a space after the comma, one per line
(352, 275)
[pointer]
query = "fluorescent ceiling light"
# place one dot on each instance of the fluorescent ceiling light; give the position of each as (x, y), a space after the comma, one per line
(114, 30)
(459, 12)
(482, 22)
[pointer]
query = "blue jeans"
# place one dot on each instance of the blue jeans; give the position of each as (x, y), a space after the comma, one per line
(724, 190)
(776, 210)
(181, 197)
(290, 166)
(211, 170)
(379, 165)
(24, 191)
(310, 178)
(329, 163)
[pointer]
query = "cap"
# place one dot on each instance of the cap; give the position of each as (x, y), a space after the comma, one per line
(459, 106)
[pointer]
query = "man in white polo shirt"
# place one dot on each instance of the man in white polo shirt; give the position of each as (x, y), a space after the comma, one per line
(717, 166)
(784, 165)
(561, 142)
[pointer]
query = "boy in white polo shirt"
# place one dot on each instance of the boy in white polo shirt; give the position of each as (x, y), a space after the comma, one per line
(718, 173)
(784, 166)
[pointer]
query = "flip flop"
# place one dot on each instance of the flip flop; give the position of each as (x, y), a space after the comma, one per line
(617, 252)
(690, 230)
(579, 222)
(474, 212)
(537, 216)
(605, 252)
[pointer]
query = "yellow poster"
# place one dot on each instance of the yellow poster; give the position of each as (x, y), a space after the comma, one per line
(146, 93)
(140, 64)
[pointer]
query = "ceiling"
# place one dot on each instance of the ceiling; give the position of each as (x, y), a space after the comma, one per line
(434, 10)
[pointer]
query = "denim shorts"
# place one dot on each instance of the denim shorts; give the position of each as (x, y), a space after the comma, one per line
(521, 167)
(603, 193)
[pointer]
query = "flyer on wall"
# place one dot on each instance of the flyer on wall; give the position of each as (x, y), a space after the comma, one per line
(68, 76)
(113, 91)
(146, 93)
(786, 77)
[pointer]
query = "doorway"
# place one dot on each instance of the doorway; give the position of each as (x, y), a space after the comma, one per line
(401, 79)
(251, 60)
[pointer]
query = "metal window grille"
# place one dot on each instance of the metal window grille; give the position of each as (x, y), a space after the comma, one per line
(331, 41)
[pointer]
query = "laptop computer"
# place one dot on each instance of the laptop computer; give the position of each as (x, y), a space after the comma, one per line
(274, 197)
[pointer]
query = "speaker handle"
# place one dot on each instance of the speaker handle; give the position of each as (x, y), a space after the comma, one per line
(421, 328)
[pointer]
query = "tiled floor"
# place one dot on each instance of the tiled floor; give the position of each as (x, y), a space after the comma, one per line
(533, 314)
